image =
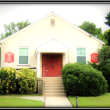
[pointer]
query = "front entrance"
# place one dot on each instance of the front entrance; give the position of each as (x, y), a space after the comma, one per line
(51, 65)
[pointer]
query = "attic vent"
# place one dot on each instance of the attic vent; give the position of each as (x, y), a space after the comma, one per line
(52, 22)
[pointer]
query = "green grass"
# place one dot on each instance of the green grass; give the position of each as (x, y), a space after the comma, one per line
(19, 102)
(98, 101)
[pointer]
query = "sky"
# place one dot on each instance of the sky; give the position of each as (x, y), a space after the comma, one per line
(73, 13)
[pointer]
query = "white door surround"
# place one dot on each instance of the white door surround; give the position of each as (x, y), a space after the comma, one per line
(52, 46)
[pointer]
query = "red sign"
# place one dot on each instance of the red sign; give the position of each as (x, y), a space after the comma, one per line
(94, 58)
(9, 57)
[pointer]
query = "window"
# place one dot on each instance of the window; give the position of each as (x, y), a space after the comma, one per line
(81, 55)
(52, 22)
(23, 55)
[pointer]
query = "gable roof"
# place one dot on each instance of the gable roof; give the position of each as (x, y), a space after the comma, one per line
(52, 45)
(3, 40)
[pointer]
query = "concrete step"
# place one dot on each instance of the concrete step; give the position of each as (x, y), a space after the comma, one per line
(54, 94)
(53, 79)
(53, 88)
(53, 84)
(53, 91)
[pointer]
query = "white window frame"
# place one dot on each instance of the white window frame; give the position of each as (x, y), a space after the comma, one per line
(85, 51)
(28, 55)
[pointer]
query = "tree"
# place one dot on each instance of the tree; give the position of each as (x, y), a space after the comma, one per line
(108, 18)
(88, 27)
(104, 65)
(91, 28)
(14, 27)
(107, 33)
(106, 36)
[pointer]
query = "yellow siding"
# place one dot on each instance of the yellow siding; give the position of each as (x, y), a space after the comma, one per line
(42, 32)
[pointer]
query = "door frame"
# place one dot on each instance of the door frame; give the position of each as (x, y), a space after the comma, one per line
(39, 59)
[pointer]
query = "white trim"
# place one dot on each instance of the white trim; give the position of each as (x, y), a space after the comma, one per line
(50, 51)
(50, 41)
(66, 57)
(28, 55)
(85, 51)
(81, 46)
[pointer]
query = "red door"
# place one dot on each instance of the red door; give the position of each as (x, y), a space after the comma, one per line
(51, 65)
(46, 65)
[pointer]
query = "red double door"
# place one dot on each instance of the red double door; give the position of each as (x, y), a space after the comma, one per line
(51, 65)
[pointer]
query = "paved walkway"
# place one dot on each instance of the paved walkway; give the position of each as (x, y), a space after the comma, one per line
(52, 101)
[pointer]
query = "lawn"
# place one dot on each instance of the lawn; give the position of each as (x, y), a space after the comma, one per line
(18, 102)
(89, 102)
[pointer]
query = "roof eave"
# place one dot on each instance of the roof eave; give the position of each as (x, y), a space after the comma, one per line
(27, 27)
(78, 28)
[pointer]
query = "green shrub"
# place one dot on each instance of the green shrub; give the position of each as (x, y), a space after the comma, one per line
(104, 65)
(83, 80)
(7, 80)
(104, 54)
(26, 80)
(105, 69)
(94, 65)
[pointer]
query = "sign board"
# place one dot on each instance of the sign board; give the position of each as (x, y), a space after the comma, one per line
(94, 58)
(9, 57)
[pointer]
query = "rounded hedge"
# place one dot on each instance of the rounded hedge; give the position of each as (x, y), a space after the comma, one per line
(27, 81)
(83, 80)
(7, 80)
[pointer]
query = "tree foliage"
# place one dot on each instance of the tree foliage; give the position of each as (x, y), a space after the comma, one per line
(92, 29)
(108, 19)
(104, 55)
(104, 65)
(88, 27)
(106, 36)
(13, 27)
(107, 33)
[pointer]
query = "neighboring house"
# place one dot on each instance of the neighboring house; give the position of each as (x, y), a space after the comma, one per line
(48, 44)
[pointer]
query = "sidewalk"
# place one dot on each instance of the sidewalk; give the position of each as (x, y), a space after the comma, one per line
(57, 102)
(52, 101)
